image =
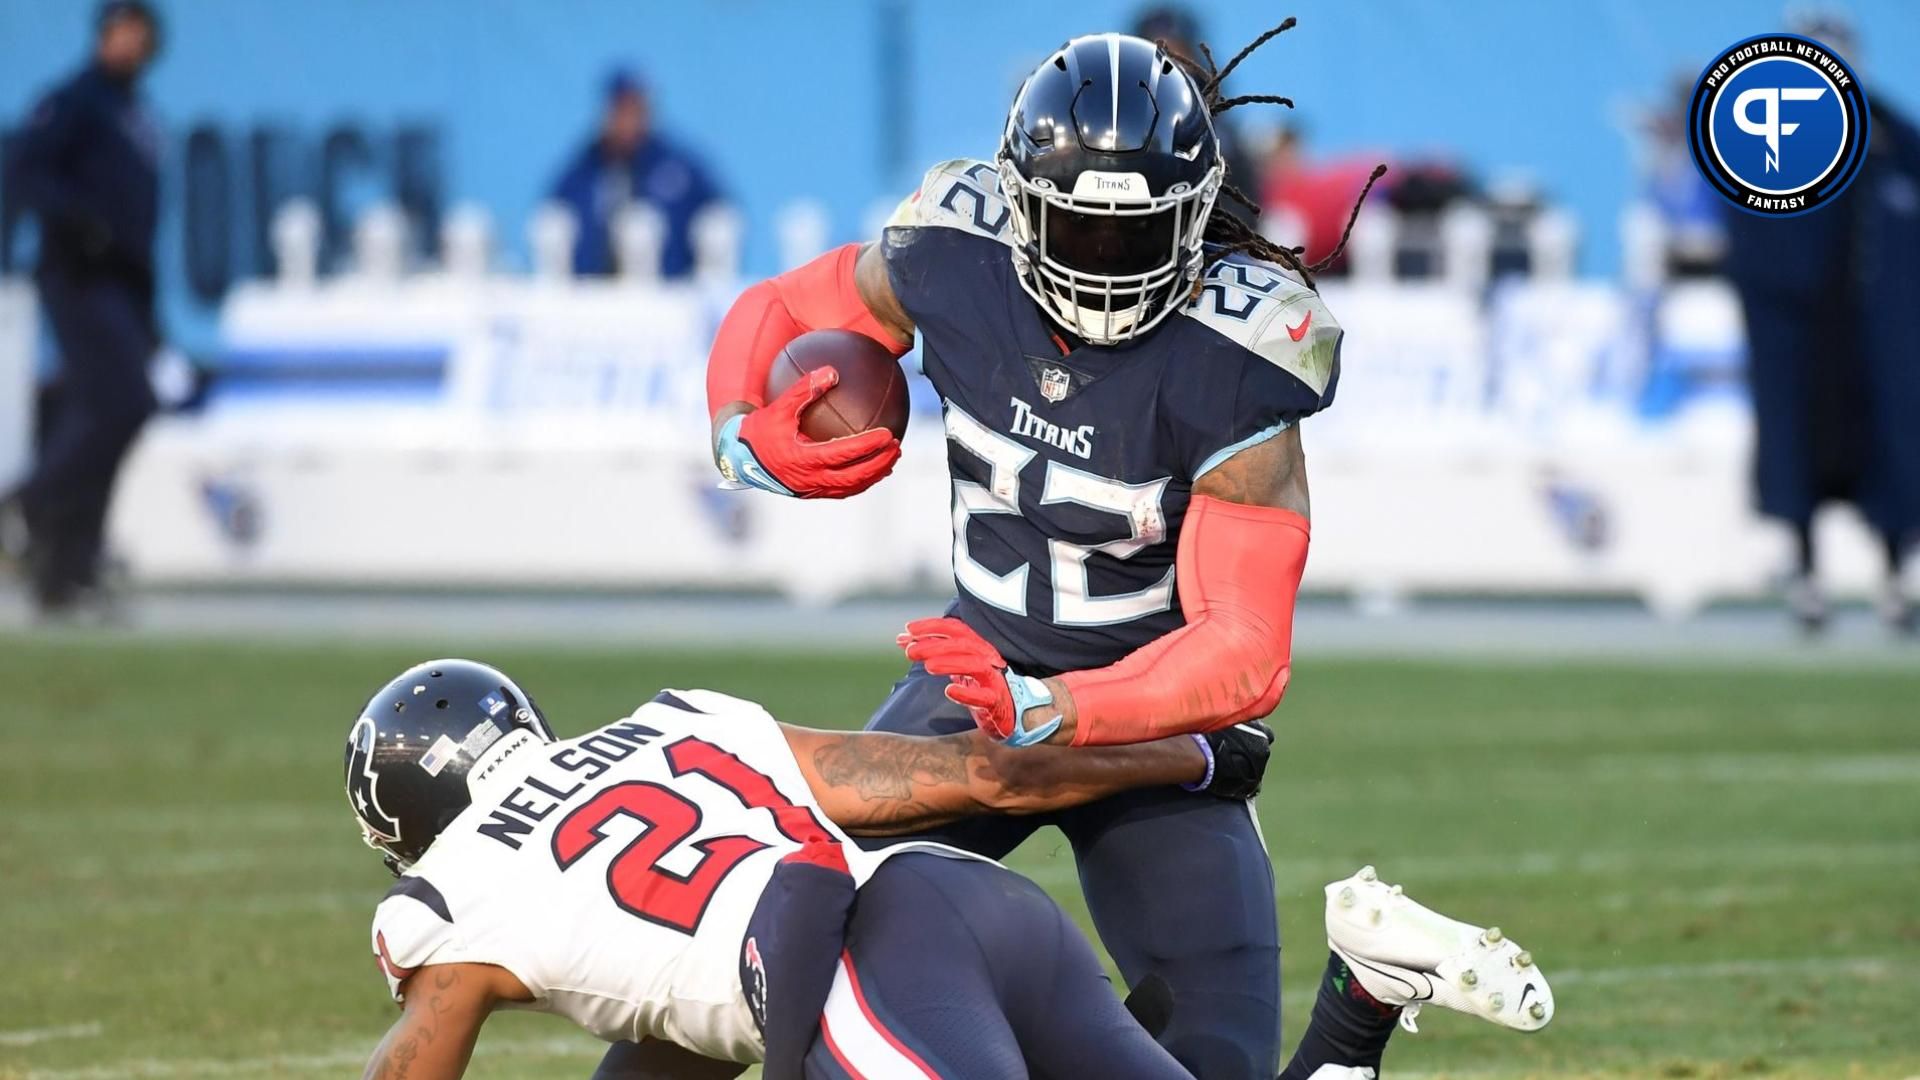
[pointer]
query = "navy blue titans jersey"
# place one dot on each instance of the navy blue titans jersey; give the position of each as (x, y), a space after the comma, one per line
(1072, 472)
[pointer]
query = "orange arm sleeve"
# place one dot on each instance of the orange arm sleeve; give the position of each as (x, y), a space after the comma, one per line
(1239, 570)
(822, 295)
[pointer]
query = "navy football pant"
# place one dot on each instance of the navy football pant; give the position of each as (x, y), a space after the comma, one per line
(947, 968)
(104, 398)
(1179, 886)
(961, 970)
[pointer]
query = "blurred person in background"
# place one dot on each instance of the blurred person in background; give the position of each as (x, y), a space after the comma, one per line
(1315, 197)
(1833, 360)
(87, 167)
(1689, 211)
(627, 161)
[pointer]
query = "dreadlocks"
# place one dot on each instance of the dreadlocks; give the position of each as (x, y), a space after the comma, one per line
(1225, 230)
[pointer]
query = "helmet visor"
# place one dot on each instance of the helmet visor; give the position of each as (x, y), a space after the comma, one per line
(1108, 246)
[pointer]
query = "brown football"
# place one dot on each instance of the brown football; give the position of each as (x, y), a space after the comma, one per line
(872, 392)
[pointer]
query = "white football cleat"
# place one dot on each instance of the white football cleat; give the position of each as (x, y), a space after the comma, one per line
(1343, 1072)
(1408, 955)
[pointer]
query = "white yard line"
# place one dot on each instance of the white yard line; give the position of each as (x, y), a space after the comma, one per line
(1724, 896)
(165, 1068)
(240, 817)
(333, 1060)
(1754, 768)
(203, 860)
(1413, 869)
(34, 1036)
(1306, 874)
(169, 1068)
(1727, 969)
(49, 911)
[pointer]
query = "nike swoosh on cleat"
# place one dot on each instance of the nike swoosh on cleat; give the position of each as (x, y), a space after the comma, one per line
(1411, 993)
(1523, 995)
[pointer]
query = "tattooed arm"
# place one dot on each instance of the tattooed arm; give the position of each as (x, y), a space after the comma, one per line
(877, 784)
(445, 1006)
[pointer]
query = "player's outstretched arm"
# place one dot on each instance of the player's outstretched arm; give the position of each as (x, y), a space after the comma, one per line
(1243, 547)
(845, 289)
(879, 784)
(445, 1006)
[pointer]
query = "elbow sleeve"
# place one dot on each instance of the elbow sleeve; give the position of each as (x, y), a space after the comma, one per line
(1239, 570)
(821, 295)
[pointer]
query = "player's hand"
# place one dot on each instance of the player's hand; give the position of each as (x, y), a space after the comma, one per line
(765, 449)
(998, 698)
(1237, 756)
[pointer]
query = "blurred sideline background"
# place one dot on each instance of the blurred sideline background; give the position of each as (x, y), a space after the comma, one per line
(1542, 673)
(359, 249)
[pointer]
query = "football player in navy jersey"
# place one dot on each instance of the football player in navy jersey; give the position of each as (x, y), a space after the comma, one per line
(1123, 370)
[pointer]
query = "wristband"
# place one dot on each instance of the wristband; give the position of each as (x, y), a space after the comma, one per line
(1207, 749)
(738, 467)
(1029, 692)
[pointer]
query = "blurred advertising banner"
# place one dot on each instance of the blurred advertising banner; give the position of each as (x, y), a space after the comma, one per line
(1563, 437)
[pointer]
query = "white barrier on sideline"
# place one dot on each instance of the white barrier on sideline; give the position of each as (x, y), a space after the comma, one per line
(538, 432)
(19, 349)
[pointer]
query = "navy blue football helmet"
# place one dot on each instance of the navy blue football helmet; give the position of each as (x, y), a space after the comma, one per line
(1110, 167)
(420, 740)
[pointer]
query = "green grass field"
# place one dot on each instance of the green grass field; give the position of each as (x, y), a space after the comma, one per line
(1719, 869)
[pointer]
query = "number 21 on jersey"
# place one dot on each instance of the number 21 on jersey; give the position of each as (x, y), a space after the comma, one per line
(652, 892)
(1137, 505)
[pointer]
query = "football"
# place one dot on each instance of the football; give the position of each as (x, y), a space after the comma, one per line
(872, 392)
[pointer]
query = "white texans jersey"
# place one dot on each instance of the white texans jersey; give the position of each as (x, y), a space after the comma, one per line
(614, 873)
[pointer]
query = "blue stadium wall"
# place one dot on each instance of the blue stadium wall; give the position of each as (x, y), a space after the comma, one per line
(482, 99)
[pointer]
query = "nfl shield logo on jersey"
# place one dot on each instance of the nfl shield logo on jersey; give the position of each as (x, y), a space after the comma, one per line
(1055, 384)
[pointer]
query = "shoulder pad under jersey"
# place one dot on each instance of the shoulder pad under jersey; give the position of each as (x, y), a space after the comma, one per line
(1270, 312)
(960, 194)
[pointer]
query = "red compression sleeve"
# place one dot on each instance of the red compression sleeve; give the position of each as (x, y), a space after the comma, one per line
(822, 295)
(1239, 570)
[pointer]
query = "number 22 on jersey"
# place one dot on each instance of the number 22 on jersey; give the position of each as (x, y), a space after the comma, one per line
(1138, 505)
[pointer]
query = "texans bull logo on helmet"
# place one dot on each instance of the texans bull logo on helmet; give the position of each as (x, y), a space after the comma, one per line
(422, 741)
(363, 784)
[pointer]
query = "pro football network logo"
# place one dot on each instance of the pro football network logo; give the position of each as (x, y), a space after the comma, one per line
(1778, 124)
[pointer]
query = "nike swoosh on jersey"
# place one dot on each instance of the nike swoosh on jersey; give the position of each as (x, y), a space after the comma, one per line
(1298, 332)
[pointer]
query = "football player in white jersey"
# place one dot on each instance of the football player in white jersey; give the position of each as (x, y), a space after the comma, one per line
(679, 881)
(681, 877)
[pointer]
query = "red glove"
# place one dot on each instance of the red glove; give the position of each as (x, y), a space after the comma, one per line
(765, 448)
(950, 647)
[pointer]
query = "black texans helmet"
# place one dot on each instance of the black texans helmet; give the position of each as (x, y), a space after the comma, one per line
(1110, 168)
(420, 740)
